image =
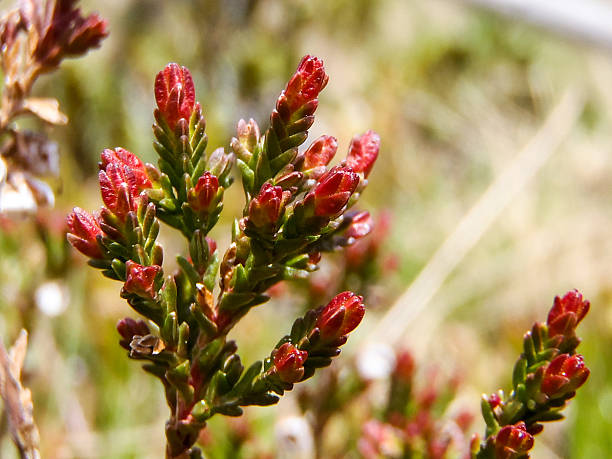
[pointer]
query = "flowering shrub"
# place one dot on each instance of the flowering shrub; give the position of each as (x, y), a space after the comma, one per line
(296, 208)
(545, 378)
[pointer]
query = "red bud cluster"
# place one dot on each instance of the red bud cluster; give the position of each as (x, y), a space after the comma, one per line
(140, 280)
(363, 152)
(566, 313)
(320, 152)
(267, 207)
(306, 83)
(84, 230)
(289, 363)
(564, 375)
(202, 197)
(341, 316)
(175, 94)
(122, 178)
(333, 191)
(513, 441)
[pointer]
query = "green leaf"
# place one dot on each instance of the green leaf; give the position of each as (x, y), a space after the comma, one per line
(229, 410)
(519, 373)
(119, 268)
(169, 294)
(488, 416)
(169, 330)
(248, 175)
(206, 325)
(246, 381)
(188, 269)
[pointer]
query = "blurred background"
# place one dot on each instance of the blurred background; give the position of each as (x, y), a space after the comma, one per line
(494, 177)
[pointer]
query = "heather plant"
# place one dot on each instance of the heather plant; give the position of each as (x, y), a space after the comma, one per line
(296, 207)
(419, 416)
(545, 377)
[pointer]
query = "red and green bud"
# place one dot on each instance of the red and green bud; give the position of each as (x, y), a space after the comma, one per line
(175, 94)
(566, 313)
(363, 152)
(305, 84)
(513, 441)
(333, 191)
(122, 178)
(116, 191)
(341, 316)
(289, 363)
(140, 280)
(128, 328)
(320, 152)
(564, 375)
(202, 197)
(267, 207)
(84, 230)
(135, 170)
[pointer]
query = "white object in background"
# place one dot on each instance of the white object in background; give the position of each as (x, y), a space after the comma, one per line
(51, 298)
(585, 20)
(375, 361)
(294, 438)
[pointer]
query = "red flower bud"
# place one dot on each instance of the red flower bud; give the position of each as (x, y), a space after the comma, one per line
(566, 313)
(564, 375)
(333, 191)
(363, 152)
(289, 363)
(512, 441)
(174, 94)
(267, 207)
(306, 83)
(122, 178)
(320, 152)
(128, 328)
(140, 280)
(341, 316)
(84, 229)
(361, 225)
(135, 170)
(203, 195)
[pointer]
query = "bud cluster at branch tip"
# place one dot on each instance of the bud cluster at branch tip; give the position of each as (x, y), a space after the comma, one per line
(545, 378)
(340, 316)
(174, 94)
(289, 363)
